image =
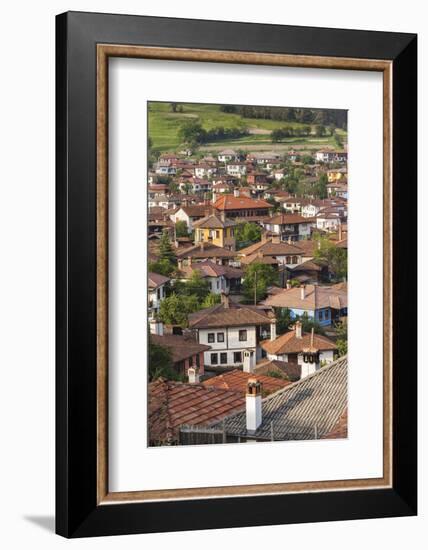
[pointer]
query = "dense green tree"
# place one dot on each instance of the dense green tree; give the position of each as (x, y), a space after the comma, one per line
(320, 130)
(163, 267)
(320, 188)
(181, 229)
(196, 286)
(283, 320)
(173, 107)
(342, 337)
(211, 300)
(335, 258)
(166, 250)
(258, 278)
(247, 233)
(175, 309)
(160, 362)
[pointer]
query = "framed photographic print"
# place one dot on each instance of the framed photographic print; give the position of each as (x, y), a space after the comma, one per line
(236, 274)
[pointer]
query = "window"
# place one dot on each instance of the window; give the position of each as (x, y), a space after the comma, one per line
(223, 358)
(237, 357)
(288, 260)
(211, 337)
(242, 335)
(220, 336)
(294, 259)
(214, 359)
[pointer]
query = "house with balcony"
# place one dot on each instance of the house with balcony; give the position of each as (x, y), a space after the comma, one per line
(237, 206)
(290, 227)
(234, 332)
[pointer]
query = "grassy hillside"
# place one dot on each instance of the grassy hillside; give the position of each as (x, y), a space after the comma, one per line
(164, 126)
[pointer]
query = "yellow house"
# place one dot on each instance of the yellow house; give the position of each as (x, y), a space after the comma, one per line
(336, 175)
(217, 230)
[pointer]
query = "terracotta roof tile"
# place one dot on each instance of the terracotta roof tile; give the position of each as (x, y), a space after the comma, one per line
(234, 315)
(289, 343)
(156, 280)
(316, 297)
(230, 202)
(181, 347)
(173, 404)
(236, 380)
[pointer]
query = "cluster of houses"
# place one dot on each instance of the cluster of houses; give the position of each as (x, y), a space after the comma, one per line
(241, 380)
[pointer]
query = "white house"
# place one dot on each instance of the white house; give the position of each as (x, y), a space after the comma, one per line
(233, 332)
(157, 292)
(205, 170)
(309, 350)
(328, 221)
(289, 226)
(190, 214)
(165, 170)
(237, 169)
(227, 155)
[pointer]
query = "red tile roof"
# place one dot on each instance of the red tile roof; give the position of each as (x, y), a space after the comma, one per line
(236, 380)
(289, 343)
(156, 280)
(181, 347)
(173, 404)
(316, 297)
(234, 315)
(230, 202)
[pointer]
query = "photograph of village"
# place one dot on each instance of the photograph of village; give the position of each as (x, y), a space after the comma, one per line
(247, 273)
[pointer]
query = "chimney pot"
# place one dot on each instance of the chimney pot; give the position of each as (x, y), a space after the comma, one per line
(302, 292)
(193, 375)
(236, 192)
(298, 328)
(225, 300)
(253, 404)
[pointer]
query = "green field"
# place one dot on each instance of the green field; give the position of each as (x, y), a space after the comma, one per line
(164, 126)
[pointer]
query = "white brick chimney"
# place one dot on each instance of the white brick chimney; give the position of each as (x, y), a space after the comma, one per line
(303, 292)
(249, 360)
(298, 327)
(214, 197)
(236, 192)
(193, 375)
(253, 404)
(273, 329)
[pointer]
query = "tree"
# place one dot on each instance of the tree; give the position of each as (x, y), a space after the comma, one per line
(320, 188)
(338, 139)
(309, 323)
(211, 300)
(247, 233)
(342, 337)
(319, 130)
(163, 267)
(160, 362)
(173, 107)
(192, 132)
(196, 286)
(258, 277)
(166, 251)
(175, 310)
(283, 319)
(181, 229)
(335, 258)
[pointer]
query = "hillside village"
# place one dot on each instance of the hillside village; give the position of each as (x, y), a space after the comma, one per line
(247, 288)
